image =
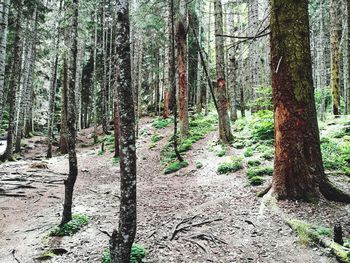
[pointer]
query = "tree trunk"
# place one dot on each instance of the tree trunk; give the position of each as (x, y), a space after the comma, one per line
(4, 11)
(94, 82)
(14, 82)
(105, 113)
(335, 54)
(298, 168)
(63, 129)
(348, 56)
(232, 89)
(181, 69)
(224, 121)
(71, 117)
(123, 238)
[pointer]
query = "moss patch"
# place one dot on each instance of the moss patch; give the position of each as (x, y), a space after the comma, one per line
(72, 227)
(232, 165)
(138, 253)
(174, 167)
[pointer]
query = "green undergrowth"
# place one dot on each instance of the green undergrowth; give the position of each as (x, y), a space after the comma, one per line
(199, 127)
(78, 221)
(233, 164)
(248, 152)
(336, 155)
(253, 163)
(255, 174)
(175, 166)
(310, 235)
(138, 253)
(161, 123)
(199, 164)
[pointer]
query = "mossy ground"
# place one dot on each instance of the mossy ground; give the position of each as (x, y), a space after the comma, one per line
(78, 221)
(233, 164)
(138, 253)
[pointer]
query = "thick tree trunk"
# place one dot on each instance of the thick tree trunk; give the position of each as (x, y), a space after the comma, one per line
(224, 120)
(123, 238)
(4, 11)
(298, 169)
(335, 54)
(181, 69)
(14, 82)
(71, 118)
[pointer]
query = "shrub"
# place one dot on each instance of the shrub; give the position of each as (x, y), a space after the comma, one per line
(72, 227)
(252, 163)
(161, 123)
(248, 152)
(138, 253)
(174, 167)
(230, 166)
(259, 171)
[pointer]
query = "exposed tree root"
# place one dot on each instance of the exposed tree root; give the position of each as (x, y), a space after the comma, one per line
(264, 192)
(330, 192)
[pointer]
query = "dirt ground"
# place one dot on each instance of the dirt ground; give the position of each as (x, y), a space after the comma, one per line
(229, 223)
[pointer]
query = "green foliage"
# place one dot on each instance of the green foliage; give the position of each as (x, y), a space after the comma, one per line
(259, 171)
(256, 180)
(232, 165)
(138, 253)
(108, 139)
(174, 167)
(268, 154)
(116, 161)
(156, 138)
(253, 163)
(161, 123)
(238, 145)
(326, 95)
(262, 125)
(248, 152)
(264, 100)
(72, 227)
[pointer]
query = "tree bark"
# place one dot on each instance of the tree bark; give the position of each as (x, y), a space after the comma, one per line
(5, 6)
(71, 117)
(14, 82)
(123, 238)
(224, 121)
(181, 69)
(335, 54)
(298, 168)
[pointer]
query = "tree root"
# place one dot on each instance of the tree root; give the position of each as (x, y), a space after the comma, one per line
(264, 192)
(331, 193)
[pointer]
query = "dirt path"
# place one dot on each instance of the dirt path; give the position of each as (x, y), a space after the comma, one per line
(227, 225)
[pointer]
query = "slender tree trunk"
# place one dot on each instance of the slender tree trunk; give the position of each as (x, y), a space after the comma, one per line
(105, 112)
(63, 129)
(4, 11)
(123, 238)
(348, 55)
(181, 68)
(71, 117)
(224, 121)
(298, 168)
(232, 93)
(322, 63)
(14, 82)
(207, 95)
(94, 83)
(335, 55)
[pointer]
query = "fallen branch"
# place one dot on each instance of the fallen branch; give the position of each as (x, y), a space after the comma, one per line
(196, 243)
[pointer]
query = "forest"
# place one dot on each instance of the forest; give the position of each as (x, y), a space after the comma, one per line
(175, 131)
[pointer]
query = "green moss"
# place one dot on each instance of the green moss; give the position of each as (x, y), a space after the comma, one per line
(156, 138)
(174, 167)
(161, 123)
(256, 180)
(268, 155)
(230, 166)
(259, 171)
(116, 161)
(252, 163)
(238, 145)
(248, 152)
(70, 228)
(138, 253)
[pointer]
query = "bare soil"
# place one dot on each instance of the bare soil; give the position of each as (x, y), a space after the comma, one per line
(193, 215)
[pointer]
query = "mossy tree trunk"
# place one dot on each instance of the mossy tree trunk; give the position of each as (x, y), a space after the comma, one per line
(224, 120)
(73, 9)
(298, 170)
(181, 69)
(123, 238)
(335, 32)
(15, 81)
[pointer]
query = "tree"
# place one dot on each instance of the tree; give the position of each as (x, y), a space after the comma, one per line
(122, 239)
(15, 81)
(224, 120)
(69, 183)
(335, 55)
(298, 169)
(4, 10)
(181, 35)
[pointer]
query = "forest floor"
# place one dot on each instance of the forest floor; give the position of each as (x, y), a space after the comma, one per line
(193, 215)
